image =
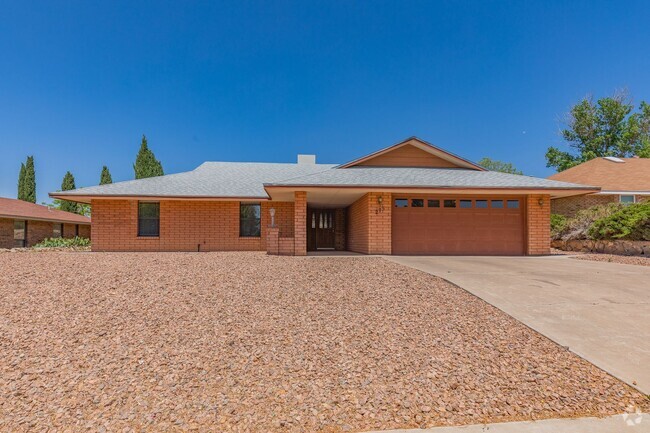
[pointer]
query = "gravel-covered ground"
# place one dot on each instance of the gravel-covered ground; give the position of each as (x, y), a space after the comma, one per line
(613, 258)
(246, 342)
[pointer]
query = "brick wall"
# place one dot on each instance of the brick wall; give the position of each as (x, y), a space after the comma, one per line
(6, 233)
(568, 206)
(339, 229)
(369, 224)
(358, 221)
(184, 226)
(380, 239)
(38, 230)
(300, 223)
(538, 220)
(84, 231)
(69, 230)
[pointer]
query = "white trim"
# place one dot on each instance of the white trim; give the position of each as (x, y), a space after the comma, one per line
(623, 193)
(626, 195)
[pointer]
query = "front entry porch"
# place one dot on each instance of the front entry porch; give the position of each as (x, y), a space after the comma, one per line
(334, 221)
(325, 229)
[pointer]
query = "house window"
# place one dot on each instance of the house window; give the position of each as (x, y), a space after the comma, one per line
(57, 230)
(481, 204)
(20, 233)
(250, 220)
(148, 219)
(433, 203)
(401, 202)
(626, 199)
(450, 203)
(466, 204)
(417, 202)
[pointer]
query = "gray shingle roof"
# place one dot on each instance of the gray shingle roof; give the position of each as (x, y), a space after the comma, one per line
(423, 177)
(210, 179)
(247, 180)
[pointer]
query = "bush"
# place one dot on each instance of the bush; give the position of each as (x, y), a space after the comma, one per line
(577, 228)
(631, 222)
(63, 243)
(558, 223)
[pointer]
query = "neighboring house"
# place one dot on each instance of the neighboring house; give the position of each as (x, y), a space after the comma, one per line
(622, 180)
(24, 224)
(410, 198)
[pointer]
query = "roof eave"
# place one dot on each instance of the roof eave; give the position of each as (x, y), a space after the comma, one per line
(553, 191)
(86, 198)
(54, 220)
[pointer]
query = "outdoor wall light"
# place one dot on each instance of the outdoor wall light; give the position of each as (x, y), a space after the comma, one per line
(380, 199)
(541, 202)
(272, 212)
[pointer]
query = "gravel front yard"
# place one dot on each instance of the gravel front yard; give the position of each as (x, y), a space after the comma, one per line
(612, 258)
(246, 342)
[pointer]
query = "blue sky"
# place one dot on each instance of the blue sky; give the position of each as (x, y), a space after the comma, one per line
(80, 82)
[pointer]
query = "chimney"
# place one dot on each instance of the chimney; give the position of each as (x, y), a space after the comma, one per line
(306, 159)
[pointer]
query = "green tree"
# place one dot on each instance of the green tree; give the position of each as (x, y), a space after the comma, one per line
(67, 185)
(146, 164)
(29, 185)
(105, 177)
(495, 165)
(607, 127)
(21, 182)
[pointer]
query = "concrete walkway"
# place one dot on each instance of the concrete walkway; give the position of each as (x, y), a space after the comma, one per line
(599, 310)
(632, 423)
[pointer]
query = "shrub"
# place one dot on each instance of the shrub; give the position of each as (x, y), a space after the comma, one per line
(75, 242)
(558, 223)
(631, 222)
(578, 226)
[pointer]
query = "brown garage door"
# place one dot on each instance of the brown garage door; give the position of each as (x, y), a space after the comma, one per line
(458, 225)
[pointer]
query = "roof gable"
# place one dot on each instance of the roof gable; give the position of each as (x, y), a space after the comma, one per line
(413, 152)
(623, 174)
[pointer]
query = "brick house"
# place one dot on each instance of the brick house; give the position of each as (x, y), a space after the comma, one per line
(409, 198)
(622, 180)
(24, 224)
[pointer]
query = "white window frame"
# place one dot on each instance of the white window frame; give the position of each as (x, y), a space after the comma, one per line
(620, 198)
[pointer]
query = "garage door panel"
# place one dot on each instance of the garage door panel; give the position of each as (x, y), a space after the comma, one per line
(459, 230)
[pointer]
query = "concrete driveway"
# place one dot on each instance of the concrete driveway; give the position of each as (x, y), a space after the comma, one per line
(600, 310)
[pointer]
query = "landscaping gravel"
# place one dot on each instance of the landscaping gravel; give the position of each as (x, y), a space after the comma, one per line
(613, 258)
(246, 342)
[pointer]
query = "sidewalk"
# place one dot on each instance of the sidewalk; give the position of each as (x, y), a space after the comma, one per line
(626, 423)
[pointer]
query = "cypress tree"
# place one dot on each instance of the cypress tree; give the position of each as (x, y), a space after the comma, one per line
(67, 185)
(105, 178)
(29, 190)
(21, 182)
(146, 164)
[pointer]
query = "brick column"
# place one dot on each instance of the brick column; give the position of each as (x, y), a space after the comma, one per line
(272, 240)
(300, 223)
(539, 224)
(379, 237)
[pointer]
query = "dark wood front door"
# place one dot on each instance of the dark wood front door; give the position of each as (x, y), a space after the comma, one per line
(320, 229)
